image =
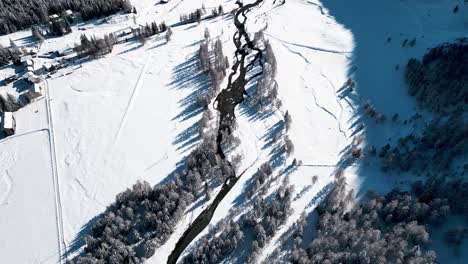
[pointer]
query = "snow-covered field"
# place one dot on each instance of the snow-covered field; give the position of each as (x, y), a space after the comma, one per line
(130, 116)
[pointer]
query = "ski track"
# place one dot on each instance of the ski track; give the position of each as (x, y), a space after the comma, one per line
(137, 86)
(55, 177)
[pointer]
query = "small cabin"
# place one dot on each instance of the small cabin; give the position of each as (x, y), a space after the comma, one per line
(27, 61)
(36, 91)
(47, 67)
(8, 123)
(32, 78)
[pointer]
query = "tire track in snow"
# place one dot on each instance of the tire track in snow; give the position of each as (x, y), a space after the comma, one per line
(137, 86)
(55, 177)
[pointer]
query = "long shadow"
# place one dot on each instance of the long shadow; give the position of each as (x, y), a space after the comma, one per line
(188, 76)
(273, 134)
(130, 49)
(188, 137)
(79, 240)
(27, 41)
(273, 141)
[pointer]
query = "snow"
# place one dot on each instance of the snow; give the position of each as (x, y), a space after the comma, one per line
(8, 120)
(28, 223)
(107, 123)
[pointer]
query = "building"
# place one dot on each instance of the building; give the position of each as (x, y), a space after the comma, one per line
(32, 78)
(8, 123)
(66, 52)
(27, 61)
(37, 90)
(48, 67)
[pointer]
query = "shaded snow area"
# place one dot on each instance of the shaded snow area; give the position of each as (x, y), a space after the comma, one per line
(104, 124)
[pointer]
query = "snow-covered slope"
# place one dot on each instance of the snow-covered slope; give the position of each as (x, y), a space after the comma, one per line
(130, 116)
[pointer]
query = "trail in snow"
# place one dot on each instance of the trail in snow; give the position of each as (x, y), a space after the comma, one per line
(174, 7)
(344, 53)
(55, 177)
(338, 119)
(165, 157)
(297, 53)
(318, 165)
(337, 99)
(137, 86)
(23, 134)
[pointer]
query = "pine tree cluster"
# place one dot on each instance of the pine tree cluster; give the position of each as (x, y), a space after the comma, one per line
(21, 14)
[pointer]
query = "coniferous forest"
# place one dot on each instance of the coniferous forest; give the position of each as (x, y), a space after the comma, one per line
(20, 14)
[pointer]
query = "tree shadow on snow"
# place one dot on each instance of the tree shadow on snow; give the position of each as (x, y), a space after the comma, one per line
(187, 138)
(249, 107)
(188, 76)
(79, 240)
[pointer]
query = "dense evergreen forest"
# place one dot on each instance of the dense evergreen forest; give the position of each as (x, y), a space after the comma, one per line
(20, 14)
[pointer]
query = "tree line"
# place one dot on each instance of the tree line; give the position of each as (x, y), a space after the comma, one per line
(391, 228)
(95, 47)
(434, 150)
(438, 81)
(8, 55)
(377, 231)
(196, 16)
(21, 14)
(260, 223)
(150, 30)
(142, 218)
(213, 63)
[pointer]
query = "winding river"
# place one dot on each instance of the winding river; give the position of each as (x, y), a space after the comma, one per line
(225, 104)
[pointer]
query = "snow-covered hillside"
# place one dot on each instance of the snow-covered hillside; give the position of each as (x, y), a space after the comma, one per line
(104, 124)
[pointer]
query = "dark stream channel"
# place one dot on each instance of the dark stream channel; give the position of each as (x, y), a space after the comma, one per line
(225, 103)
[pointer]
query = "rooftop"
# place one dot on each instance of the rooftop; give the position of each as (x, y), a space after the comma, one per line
(7, 120)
